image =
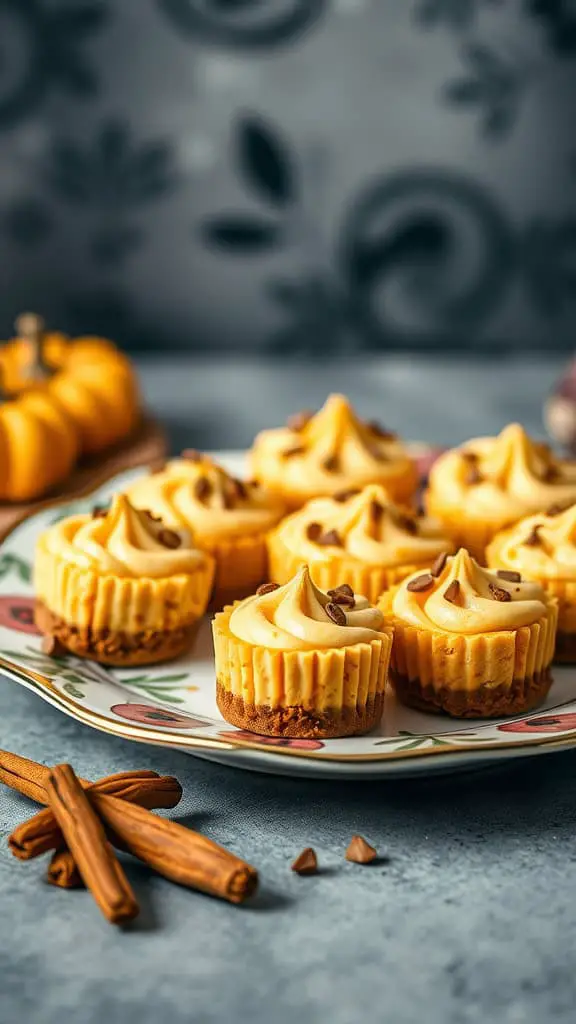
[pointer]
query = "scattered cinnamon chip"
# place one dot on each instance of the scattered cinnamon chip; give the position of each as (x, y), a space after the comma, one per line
(510, 575)
(380, 431)
(203, 488)
(313, 531)
(438, 567)
(420, 583)
(452, 592)
(267, 588)
(331, 464)
(335, 612)
(99, 512)
(192, 455)
(470, 456)
(52, 647)
(533, 538)
(360, 852)
(150, 515)
(342, 595)
(169, 538)
(299, 420)
(238, 487)
(296, 449)
(345, 495)
(158, 466)
(499, 593)
(306, 863)
(330, 539)
(377, 453)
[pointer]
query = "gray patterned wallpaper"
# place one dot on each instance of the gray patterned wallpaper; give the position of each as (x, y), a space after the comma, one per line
(300, 176)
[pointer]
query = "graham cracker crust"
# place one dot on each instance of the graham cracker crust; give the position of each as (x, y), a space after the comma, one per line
(485, 701)
(565, 647)
(297, 721)
(114, 647)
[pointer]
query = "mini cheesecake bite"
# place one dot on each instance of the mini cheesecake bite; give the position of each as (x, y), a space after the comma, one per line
(330, 452)
(229, 518)
(543, 548)
(491, 482)
(120, 586)
(296, 661)
(358, 537)
(469, 641)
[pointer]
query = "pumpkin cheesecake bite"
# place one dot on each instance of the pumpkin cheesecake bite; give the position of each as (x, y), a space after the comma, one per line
(229, 518)
(470, 641)
(543, 548)
(323, 454)
(358, 538)
(120, 587)
(491, 482)
(295, 661)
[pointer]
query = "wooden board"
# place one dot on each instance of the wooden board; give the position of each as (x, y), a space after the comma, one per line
(142, 448)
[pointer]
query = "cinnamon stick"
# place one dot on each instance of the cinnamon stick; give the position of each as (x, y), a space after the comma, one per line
(62, 871)
(42, 832)
(95, 859)
(27, 777)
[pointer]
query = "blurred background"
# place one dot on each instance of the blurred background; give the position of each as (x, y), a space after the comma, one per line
(295, 177)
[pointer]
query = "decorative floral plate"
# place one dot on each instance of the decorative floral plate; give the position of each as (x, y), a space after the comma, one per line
(174, 705)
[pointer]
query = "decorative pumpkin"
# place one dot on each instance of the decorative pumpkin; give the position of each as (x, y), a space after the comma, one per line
(88, 379)
(38, 445)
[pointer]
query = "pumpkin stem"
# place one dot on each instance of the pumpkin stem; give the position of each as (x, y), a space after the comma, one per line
(30, 327)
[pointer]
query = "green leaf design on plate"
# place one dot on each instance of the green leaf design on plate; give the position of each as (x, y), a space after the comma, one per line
(13, 564)
(73, 691)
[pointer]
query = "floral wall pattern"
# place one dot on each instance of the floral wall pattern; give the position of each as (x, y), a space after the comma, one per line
(291, 176)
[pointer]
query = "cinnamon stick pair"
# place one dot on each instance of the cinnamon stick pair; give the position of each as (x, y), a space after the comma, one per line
(176, 852)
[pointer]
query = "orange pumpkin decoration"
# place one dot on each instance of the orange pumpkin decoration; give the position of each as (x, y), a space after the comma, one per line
(38, 445)
(88, 379)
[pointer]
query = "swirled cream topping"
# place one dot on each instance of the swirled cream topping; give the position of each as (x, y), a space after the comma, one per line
(300, 617)
(467, 599)
(363, 525)
(123, 542)
(502, 478)
(195, 491)
(543, 545)
(324, 453)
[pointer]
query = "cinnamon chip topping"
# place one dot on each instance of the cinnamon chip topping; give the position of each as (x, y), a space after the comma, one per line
(473, 475)
(331, 464)
(158, 466)
(405, 522)
(192, 455)
(377, 453)
(169, 538)
(438, 567)
(238, 488)
(306, 863)
(551, 474)
(342, 595)
(376, 511)
(267, 588)
(99, 512)
(510, 575)
(498, 593)
(360, 852)
(420, 583)
(556, 510)
(533, 539)
(335, 612)
(313, 531)
(289, 453)
(150, 515)
(341, 496)
(330, 539)
(299, 420)
(380, 431)
(203, 488)
(452, 592)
